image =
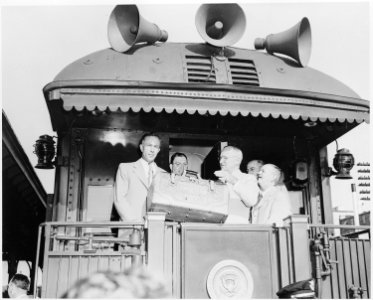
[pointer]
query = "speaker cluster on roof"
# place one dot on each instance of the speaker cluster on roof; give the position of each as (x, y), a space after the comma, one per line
(219, 25)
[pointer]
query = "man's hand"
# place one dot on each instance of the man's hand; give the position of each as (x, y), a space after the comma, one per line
(225, 177)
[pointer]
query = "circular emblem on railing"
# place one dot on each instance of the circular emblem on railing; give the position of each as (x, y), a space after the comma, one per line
(230, 279)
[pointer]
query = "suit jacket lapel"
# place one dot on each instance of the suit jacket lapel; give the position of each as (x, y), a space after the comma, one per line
(139, 171)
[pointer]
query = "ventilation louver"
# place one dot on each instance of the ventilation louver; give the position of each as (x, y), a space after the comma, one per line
(200, 69)
(243, 71)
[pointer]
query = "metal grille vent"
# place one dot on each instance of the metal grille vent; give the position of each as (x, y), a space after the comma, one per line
(200, 69)
(243, 71)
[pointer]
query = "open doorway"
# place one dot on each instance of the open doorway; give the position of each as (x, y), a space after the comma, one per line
(203, 154)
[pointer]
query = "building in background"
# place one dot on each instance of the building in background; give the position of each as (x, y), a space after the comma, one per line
(351, 198)
(363, 185)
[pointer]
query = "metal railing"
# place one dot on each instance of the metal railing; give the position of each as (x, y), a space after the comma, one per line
(79, 239)
(335, 230)
(341, 263)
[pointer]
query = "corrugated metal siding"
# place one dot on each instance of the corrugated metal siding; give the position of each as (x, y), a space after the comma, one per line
(353, 268)
(65, 269)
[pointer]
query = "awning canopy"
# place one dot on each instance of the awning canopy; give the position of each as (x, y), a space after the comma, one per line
(205, 99)
(24, 199)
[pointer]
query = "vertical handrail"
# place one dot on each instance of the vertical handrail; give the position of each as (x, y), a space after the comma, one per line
(36, 266)
(47, 241)
(289, 253)
(317, 248)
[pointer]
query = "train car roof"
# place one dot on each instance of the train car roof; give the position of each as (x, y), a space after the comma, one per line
(190, 63)
(195, 79)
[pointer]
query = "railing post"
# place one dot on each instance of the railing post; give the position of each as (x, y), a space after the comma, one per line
(155, 247)
(300, 247)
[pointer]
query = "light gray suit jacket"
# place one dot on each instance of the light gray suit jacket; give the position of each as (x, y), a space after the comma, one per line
(130, 191)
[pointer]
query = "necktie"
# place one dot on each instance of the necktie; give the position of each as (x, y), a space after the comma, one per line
(150, 175)
(252, 219)
(260, 197)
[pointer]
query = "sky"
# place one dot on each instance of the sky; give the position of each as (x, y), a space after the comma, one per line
(39, 40)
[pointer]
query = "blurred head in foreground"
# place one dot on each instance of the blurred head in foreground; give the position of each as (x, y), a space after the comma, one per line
(18, 286)
(131, 283)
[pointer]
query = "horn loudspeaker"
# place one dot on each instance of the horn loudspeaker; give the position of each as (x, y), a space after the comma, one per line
(295, 42)
(220, 25)
(127, 27)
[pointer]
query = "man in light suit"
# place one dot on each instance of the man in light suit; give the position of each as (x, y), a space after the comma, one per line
(243, 188)
(134, 179)
(274, 200)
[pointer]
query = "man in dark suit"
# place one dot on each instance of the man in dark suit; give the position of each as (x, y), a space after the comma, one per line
(134, 179)
(178, 164)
